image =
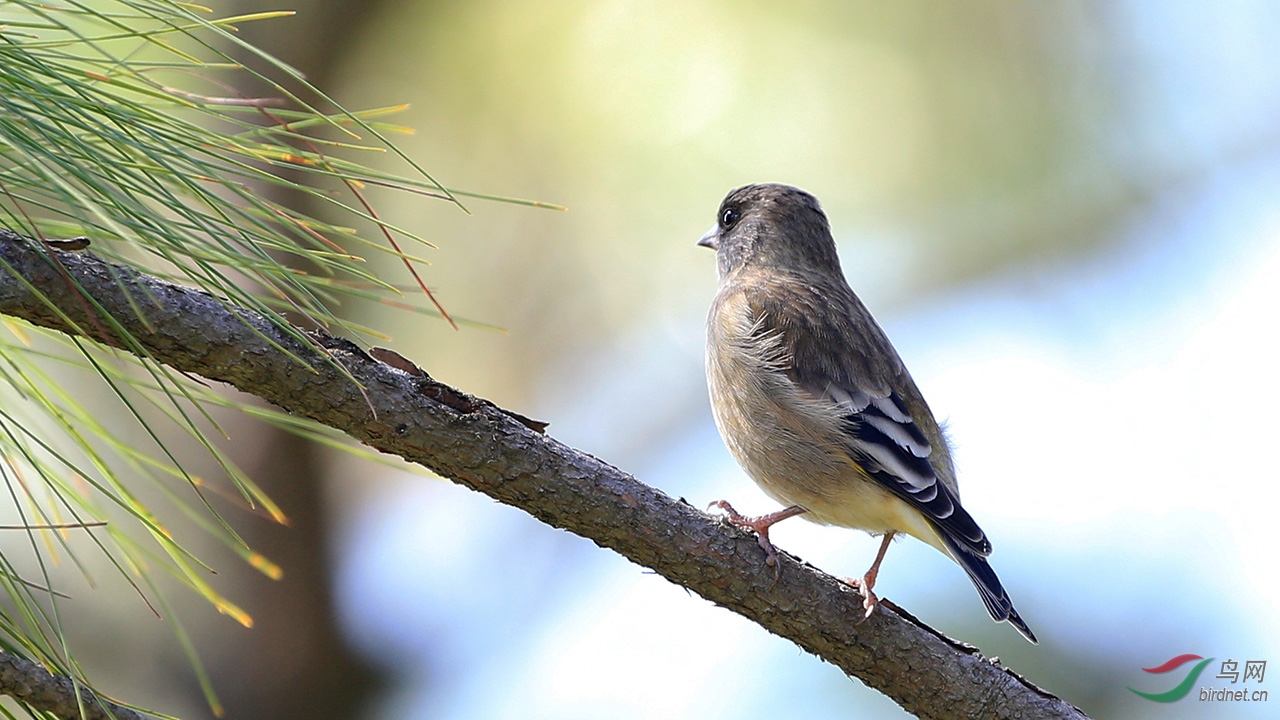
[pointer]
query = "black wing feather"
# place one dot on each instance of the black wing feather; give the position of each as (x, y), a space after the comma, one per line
(930, 497)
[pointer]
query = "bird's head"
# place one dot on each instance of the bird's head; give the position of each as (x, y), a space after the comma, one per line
(773, 227)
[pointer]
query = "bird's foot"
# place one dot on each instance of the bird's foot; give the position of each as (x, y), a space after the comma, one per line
(868, 581)
(759, 525)
(869, 599)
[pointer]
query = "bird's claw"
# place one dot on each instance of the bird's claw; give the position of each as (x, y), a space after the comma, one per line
(771, 558)
(869, 600)
(758, 525)
(868, 580)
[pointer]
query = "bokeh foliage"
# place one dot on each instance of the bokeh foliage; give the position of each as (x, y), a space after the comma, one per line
(120, 124)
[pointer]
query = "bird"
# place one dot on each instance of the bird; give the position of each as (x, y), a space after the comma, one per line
(815, 404)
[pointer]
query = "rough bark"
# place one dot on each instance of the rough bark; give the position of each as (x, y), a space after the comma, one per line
(503, 455)
(38, 688)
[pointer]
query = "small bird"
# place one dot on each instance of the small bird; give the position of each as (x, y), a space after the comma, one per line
(815, 404)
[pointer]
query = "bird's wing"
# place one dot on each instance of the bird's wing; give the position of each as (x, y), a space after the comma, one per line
(886, 442)
(848, 362)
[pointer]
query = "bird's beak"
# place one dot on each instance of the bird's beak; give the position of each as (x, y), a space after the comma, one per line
(709, 240)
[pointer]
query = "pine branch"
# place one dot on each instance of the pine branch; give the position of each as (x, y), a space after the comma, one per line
(401, 411)
(26, 681)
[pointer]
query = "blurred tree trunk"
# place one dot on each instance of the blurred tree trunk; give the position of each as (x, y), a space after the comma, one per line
(295, 662)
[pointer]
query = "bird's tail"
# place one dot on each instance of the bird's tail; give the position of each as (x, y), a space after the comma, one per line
(989, 587)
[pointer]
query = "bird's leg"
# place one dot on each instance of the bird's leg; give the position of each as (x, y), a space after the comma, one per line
(761, 527)
(868, 581)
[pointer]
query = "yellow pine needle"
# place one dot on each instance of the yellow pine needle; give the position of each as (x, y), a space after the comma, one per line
(259, 562)
(230, 609)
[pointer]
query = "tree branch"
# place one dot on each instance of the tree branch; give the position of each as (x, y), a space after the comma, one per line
(501, 454)
(26, 681)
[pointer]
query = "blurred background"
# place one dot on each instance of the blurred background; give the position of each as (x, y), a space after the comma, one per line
(1064, 214)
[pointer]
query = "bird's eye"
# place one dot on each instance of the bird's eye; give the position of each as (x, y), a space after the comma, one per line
(729, 217)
